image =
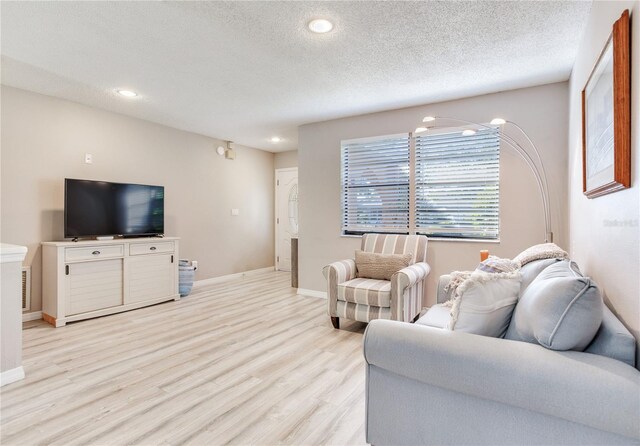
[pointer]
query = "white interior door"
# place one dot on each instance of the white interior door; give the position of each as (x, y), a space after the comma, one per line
(286, 215)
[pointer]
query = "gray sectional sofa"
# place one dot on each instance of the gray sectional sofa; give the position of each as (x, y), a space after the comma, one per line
(429, 385)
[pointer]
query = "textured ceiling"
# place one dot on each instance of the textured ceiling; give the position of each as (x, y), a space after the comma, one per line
(246, 71)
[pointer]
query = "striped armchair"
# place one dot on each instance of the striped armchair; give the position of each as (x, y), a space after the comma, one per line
(366, 299)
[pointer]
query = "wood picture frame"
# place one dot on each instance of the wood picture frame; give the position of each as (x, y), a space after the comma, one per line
(606, 116)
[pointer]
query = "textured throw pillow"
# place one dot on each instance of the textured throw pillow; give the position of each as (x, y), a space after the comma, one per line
(560, 309)
(371, 265)
(484, 302)
(538, 252)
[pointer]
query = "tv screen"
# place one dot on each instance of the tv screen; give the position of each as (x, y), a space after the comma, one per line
(98, 208)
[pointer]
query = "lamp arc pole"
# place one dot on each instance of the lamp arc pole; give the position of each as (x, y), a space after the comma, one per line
(538, 170)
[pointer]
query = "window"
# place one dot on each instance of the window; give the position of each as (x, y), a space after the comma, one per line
(375, 185)
(457, 184)
(444, 185)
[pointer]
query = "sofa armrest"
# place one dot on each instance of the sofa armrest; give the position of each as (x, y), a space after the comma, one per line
(409, 276)
(443, 295)
(342, 270)
(407, 291)
(336, 273)
(592, 390)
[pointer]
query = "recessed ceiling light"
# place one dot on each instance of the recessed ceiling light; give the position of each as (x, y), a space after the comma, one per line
(127, 93)
(276, 139)
(468, 132)
(498, 121)
(428, 119)
(320, 26)
(421, 129)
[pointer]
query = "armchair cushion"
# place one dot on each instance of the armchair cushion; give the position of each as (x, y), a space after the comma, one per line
(366, 291)
(371, 265)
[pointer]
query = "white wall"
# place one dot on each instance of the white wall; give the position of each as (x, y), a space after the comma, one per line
(44, 140)
(541, 111)
(605, 231)
(283, 160)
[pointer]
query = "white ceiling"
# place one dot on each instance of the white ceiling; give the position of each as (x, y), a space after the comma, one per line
(247, 71)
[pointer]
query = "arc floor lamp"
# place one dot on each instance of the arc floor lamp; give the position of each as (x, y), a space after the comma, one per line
(533, 162)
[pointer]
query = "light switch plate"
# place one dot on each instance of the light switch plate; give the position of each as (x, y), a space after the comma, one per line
(88, 158)
(235, 211)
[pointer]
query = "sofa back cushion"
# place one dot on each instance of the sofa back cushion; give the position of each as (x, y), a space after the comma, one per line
(531, 270)
(416, 245)
(560, 309)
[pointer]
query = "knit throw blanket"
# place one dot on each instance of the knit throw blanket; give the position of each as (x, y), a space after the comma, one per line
(540, 252)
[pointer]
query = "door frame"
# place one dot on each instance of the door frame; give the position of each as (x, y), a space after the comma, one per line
(275, 212)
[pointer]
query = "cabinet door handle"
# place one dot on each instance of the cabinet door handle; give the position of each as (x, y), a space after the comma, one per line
(96, 253)
(153, 248)
(171, 259)
(66, 270)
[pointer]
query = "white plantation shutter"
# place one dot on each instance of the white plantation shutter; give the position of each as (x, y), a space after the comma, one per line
(375, 185)
(457, 184)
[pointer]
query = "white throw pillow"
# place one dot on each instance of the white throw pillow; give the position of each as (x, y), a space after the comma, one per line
(484, 303)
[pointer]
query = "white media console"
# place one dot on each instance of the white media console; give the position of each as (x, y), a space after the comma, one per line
(94, 278)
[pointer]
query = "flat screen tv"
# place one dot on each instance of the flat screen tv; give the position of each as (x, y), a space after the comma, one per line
(99, 208)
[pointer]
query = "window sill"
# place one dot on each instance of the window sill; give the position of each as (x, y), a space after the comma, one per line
(436, 239)
(458, 240)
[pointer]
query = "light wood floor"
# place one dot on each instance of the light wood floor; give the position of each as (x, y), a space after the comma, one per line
(241, 362)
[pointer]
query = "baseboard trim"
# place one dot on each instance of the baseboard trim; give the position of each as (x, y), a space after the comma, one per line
(229, 277)
(33, 316)
(11, 376)
(312, 293)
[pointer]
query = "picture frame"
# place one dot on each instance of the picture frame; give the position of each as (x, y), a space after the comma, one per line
(606, 116)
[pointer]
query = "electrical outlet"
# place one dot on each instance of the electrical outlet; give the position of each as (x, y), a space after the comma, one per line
(88, 158)
(235, 211)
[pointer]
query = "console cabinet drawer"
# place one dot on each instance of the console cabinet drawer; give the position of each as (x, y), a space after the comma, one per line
(136, 249)
(94, 252)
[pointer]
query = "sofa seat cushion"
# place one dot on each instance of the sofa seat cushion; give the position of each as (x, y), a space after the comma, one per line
(437, 316)
(560, 310)
(366, 292)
